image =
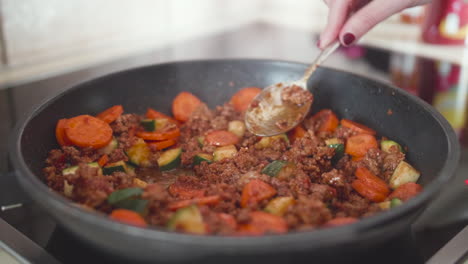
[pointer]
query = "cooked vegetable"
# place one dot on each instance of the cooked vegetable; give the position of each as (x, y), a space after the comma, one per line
(136, 205)
(103, 160)
(188, 219)
(160, 145)
(280, 169)
(256, 191)
(358, 145)
(225, 152)
(261, 222)
(327, 120)
(266, 142)
(221, 138)
(202, 157)
(110, 147)
(242, 98)
(296, 133)
(406, 191)
(403, 173)
(67, 189)
(184, 104)
(139, 154)
(395, 202)
(111, 114)
(384, 205)
(123, 194)
(128, 217)
(163, 135)
(114, 167)
(201, 141)
(279, 205)
(140, 183)
(148, 125)
(88, 131)
(208, 200)
(370, 186)
(357, 127)
(60, 133)
(153, 114)
(340, 221)
(237, 128)
(386, 145)
(170, 159)
(339, 147)
(73, 169)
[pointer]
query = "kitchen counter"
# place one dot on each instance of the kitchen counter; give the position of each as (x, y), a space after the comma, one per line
(257, 40)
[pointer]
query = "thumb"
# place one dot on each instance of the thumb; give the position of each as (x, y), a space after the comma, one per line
(367, 17)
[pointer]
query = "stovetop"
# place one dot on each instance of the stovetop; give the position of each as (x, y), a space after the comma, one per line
(446, 216)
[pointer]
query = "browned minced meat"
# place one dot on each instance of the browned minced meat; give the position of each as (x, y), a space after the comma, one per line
(321, 186)
(296, 95)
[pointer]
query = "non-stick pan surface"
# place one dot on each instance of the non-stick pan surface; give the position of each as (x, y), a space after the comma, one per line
(432, 144)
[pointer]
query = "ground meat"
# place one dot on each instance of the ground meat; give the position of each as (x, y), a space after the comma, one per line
(296, 95)
(319, 181)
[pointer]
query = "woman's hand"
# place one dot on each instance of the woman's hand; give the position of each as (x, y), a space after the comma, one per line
(349, 20)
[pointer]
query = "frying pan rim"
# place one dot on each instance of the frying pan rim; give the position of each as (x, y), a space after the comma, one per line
(333, 235)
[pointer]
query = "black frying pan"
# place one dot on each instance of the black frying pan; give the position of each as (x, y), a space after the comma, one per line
(433, 149)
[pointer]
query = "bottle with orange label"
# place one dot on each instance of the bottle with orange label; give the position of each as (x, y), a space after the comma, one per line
(446, 22)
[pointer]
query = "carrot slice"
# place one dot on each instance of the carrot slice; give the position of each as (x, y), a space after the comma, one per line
(371, 180)
(261, 222)
(296, 133)
(327, 120)
(60, 133)
(111, 114)
(128, 217)
(228, 219)
(368, 192)
(406, 191)
(185, 191)
(208, 200)
(340, 221)
(242, 98)
(358, 145)
(359, 128)
(165, 135)
(221, 138)
(159, 145)
(153, 114)
(103, 160)
(184, 104)
(255, 191)
(88, 131)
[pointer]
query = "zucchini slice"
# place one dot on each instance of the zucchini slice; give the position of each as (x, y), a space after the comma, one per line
(385, 145)
(403, 173)
(140, 183)
(170, 159)
(266, 142)
(279, 205)
(114, 167)
(110, 147)
(225, 152)
(201, 141)
(395, 202)
(384, 205)
(148, 124)
(67, 189)
(123, 194)
(280, 169)
(202, 157)
(73, 169)
(139, 154)
(187, 219)
(339, 147)
(237, 128)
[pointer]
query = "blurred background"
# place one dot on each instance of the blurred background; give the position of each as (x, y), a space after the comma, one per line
(47, 46)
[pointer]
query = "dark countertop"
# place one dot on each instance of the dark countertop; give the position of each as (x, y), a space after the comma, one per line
(447, 215)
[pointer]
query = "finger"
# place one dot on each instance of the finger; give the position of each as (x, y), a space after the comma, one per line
(370, 15)
(336, 18)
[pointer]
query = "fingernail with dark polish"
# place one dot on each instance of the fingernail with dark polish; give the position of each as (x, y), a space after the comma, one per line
(348, 38)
